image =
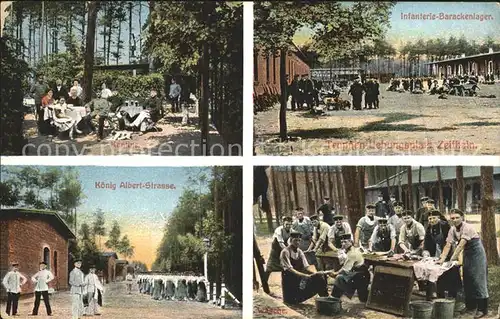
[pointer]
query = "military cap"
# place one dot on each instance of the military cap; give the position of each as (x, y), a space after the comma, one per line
(92, 266)
(43, 263)
(14, 264)
(398, 204)
(370, 206)
(287, 219)
(430, 201)
(345, 237)
(77, 260)
(300, 209)
(407, 213)
(380, 194)
(326, 198)
(338, 217)
(434, 213)
(314, 217)
(382, 221)
(424, 199)
(295, 234)
(457, 211)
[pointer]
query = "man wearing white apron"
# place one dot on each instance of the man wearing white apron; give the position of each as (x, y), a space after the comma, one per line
(93, 286)
(76, 281)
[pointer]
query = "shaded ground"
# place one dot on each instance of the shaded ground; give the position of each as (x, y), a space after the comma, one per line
(174, 139)
(405, 124)
(266, 306)
(118, 304)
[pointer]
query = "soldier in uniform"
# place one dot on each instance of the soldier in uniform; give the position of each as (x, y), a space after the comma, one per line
(76, 281)
(376, 90)
(326, 209)
(429, 206)
(294, 91)
(153, 104)
(365, 227)
(381, 207)
(356, 90)
(383, 238)
(98, 108)
(339, 228)
(280, 241)
(319, 243)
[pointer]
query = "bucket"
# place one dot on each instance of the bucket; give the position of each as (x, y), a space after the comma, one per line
(328, 306)
(421, 309)
(444, 308)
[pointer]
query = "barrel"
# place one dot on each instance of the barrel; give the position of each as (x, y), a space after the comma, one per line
(421, 309)
(444, 308)
(328, 306)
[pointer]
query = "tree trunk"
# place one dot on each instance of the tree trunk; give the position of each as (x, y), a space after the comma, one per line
(460, 188)
(288, 190)
(410, 189)
(130, 4)
(353, 211)
(277, 201)
(333, 198)
(283, 99)
(488, 230)
(93, 8)
(310, 205)
(320, 183)
(118, 42)
(315, 188)
(361, 183)
(340, 187)
(295, 190)
(218, 220)
(440, 189)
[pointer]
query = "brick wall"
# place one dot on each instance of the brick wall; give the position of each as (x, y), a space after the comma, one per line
(4, 254)
(27, 239)
(267, 71)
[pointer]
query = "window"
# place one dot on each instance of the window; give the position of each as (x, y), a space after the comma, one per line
(268, 74)
(55, 263)
(46, 256)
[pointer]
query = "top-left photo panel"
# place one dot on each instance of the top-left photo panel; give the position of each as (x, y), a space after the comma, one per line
(121, 78)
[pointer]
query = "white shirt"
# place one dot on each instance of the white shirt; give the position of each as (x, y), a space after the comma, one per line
(105, 93)
(79, 90)
(41, 279)
(333, 228)
(13, 281)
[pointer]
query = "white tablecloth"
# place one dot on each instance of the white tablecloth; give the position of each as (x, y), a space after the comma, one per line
(76, 113)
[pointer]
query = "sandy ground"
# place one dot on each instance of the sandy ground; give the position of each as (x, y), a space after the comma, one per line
(118, 304)
(266, 306)
(174, 139)
(405, 124)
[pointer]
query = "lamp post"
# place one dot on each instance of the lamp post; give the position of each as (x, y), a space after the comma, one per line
(205, 257)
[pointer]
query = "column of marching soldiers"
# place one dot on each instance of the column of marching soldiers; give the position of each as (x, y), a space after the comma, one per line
(166, 287)
(386, 229)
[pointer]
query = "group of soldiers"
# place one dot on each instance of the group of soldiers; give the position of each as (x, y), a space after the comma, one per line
(304, 90)
(371, 90)
(386, 229)
(86, 290)
(166, 287)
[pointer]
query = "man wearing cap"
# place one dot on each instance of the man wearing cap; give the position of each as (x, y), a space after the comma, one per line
(12, 282)
(353, 275)
(421, 210)
(339, 228)
(41, 280)
(76, 281)
(390, 205)
(412, 235)
(356, 90)
(429, 206)
(299, 280)
(381, 207)
(383, 238)
(303, 225)
(365, 227)
(395, 220)
(436, 233)
(280, 241)
(326, 209)
(94, 289)
(319, 243)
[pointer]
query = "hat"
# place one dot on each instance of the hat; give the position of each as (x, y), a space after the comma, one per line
(456, 211)
(14, 264)
(407, 213)
(43, 263)
(295, 234)
(338, 217)
(380, 194)
(299, 209)
(77, 260)
(92, 266)
(345, 237)
(326, 198)
(434, 212)
(430, 201)
(392, 195)
(314, 217)
(370, 206)
(287, 219)
(382, 221)
(398, 204)
(424, 199)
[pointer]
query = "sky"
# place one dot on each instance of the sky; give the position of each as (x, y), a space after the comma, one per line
(404, 30)
(142, 214)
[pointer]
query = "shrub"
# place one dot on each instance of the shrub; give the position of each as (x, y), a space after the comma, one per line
(126, 85)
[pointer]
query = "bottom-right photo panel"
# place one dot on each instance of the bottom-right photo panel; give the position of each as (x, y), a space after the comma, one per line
(376, 242)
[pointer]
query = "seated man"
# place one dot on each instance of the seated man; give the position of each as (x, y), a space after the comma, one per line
(383, 238)
(153, 104)
(98, 108)
(353, 275)
(299, 281)
(339, 228)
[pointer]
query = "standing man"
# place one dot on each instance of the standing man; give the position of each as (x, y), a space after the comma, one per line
(304, 226)
(41, 280)
(365, 227)
(376, 92)
(309, 91)
(38, 90)
(319, 241)
(356, 90)
(327, 210)
(422, 209)
(12, 282)
(280, 241)
(94, 289)
(129, 279)
(175, 94)
(424, 217)
(412, 235)
(395, 220)
(436, 233)
(381, 207)
(76, 281)
(294, 90)
(336, 231)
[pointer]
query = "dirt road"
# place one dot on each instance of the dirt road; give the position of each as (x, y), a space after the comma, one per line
(405, 124)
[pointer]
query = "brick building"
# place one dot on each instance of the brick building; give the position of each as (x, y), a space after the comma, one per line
(29, 236)
(267, 70)
(121, 269)
(479, 64)
(109, 261)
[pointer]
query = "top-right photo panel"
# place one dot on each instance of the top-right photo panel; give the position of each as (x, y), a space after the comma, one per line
(376, 78)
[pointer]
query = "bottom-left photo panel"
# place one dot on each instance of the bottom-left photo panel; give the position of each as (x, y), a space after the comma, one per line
(121, 242)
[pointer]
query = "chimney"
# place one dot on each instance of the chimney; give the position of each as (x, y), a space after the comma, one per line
(490, 50)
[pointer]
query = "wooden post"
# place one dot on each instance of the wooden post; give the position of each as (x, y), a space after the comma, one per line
(259, 260)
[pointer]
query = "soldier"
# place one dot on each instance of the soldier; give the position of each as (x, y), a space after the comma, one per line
(339, 228)
(326, 208)
(369, 96)
(356, 90)
(365, 227)
(319, 243)
(395, 220)
(435, 233)
(41, 280)
(76, 281)
(94, 289)
(280, 241)
(294, 91)
(383, 238)
(303, 225)
(412, 235)
(381, 208)
(98, 108)
(153, 104)
(12, 282)
(429, 206)
(421, 210)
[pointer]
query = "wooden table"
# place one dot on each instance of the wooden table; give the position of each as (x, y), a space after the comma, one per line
(330, 258)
